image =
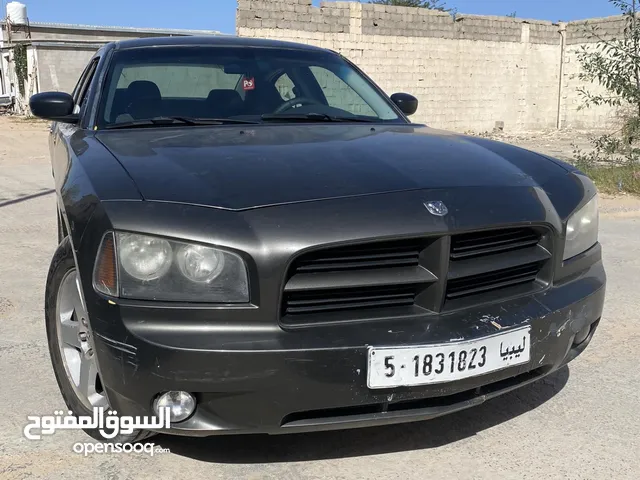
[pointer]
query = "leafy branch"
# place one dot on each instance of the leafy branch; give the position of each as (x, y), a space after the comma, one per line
(614, 63)
(20, 62)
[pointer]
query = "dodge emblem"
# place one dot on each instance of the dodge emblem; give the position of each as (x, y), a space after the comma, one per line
(437, 208)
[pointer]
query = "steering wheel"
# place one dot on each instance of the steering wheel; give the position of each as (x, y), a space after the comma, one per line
(295, 101)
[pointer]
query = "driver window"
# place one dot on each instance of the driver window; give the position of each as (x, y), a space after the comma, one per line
(83, 77)
(80, 92)
(286, 87)
(85, 87)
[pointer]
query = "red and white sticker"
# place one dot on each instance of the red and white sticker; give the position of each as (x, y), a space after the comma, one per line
(248, 84)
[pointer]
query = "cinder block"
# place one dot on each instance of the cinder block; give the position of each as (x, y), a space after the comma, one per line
(253, 23)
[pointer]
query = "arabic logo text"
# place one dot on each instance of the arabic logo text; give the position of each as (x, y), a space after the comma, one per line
(108, 423)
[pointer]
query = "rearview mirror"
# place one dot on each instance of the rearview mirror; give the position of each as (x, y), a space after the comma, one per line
(56, 106)
(405, 102)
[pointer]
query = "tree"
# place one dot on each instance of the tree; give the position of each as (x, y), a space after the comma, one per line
(430, 4)
(614, 63)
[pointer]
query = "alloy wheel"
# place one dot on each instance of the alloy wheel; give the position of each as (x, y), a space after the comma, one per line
(76, 345)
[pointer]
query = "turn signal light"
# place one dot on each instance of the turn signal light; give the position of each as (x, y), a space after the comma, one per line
(105, 276)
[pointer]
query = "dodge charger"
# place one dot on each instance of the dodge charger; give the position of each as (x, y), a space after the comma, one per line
(254, 236)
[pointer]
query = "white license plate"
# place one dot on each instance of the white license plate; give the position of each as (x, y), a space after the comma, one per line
(446, 362)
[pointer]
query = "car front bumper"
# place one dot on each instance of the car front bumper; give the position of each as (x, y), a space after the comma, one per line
(268, 380)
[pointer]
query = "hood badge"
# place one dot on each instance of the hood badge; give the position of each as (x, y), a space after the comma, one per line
(437, 208)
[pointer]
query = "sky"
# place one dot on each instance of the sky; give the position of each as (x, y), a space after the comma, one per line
(220, 14)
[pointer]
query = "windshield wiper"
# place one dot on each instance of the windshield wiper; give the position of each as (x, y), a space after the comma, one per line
(171, 121)
(310, 117)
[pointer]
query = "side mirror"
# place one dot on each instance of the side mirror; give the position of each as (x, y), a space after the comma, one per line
(56, 106)
(405, 102)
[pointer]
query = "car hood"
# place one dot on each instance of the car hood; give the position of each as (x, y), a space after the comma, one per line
(242, 167)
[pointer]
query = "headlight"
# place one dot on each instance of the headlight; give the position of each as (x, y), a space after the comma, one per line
(153, 268)
(144, 258)
(582, 230)
(200, 264)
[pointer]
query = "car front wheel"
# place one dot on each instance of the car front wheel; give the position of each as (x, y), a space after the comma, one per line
(70, 343)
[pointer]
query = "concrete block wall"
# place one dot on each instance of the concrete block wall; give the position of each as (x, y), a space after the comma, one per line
(468, 71)
(595, 117)
(59, 67)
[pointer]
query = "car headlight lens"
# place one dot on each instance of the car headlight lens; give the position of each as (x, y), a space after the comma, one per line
(200, 264)
(144, 258)
(146, 267)
(582, 230)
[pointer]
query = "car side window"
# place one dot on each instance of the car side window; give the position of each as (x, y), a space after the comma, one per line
(81, 80)
(81, 93)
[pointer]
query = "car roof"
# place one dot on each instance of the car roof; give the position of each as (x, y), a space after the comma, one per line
(213, 40)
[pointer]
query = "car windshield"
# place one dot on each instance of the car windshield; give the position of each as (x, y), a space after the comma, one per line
(162, 85)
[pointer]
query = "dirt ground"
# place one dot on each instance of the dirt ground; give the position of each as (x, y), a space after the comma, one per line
(580, 423)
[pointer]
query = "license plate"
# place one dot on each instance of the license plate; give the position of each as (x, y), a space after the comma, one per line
(446, 362)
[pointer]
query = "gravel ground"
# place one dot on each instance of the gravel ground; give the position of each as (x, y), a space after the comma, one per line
(580, 423)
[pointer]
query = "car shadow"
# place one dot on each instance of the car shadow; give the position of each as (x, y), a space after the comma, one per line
(247, 449)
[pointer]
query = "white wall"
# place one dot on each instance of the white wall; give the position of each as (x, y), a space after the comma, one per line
(468, 73)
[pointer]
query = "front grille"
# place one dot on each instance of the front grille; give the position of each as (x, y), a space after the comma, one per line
(414, 277)
(494, 263)
(377, 255)
(373, 276)
(349, 299)
(492, 280)
(477, 244)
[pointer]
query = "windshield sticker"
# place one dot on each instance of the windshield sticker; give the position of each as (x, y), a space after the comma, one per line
(248, 84)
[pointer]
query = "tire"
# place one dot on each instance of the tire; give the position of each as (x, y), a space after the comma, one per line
(62, 267)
